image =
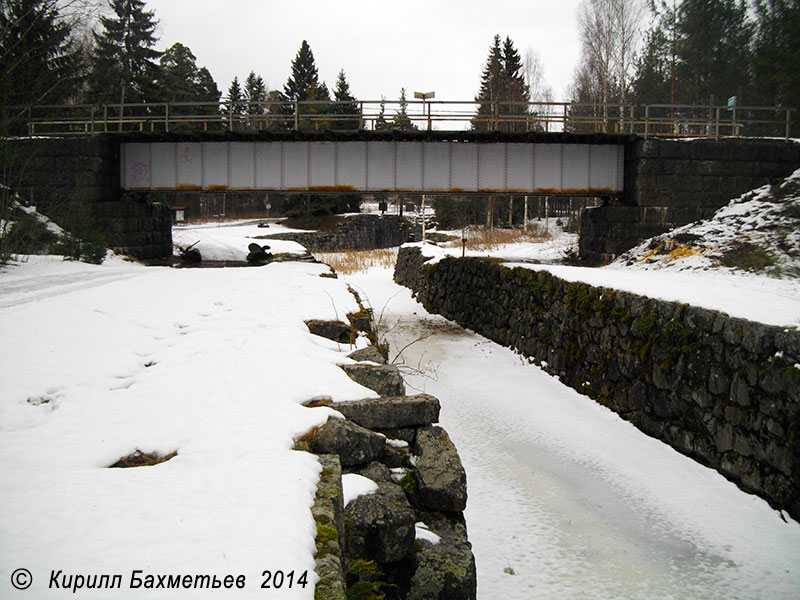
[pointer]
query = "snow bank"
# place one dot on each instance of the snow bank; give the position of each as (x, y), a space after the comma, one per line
(101, 361)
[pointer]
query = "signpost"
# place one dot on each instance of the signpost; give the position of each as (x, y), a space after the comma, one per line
(424, 96)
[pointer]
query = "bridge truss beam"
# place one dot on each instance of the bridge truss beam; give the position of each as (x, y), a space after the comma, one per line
(434, 167)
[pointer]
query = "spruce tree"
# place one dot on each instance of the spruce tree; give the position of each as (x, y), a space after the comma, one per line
(124, 66)
(491, 85)
(38, 64)
(234, 99)
(401, 120)
(345, 104)
(776, 55)
(255, 92)
(712, 50)
(515, 89)
(381, 124)
(502, 90)
(303, 83)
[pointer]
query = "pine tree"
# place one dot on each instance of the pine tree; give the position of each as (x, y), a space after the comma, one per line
(124, 68)
(206, 87)
(38, 64)
(181, 81)
(345, 104)
(234, 99)
(178, 72)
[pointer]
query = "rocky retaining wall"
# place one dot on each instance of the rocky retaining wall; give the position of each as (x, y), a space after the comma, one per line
(407, 540)
(722, 390)
(669, 183)
(357, 232)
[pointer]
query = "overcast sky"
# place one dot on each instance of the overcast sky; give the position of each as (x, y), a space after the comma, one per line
(422, 45)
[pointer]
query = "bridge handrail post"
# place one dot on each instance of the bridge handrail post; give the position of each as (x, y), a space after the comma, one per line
(361, 125)
(716, 126)
(296, 115)
(166, 117)
(788, 122)
(646, 119)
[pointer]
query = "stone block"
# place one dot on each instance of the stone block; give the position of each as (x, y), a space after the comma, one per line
(368, 354)
(441, 479)
(384, 379)
(443, 571)
(380, 526)
(393, 412)
(354, 444)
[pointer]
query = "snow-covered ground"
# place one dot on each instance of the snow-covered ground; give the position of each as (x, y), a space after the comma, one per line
(228, 241)
(567, 500)
(101, 361)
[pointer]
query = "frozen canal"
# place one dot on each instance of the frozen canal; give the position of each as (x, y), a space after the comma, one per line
(566, 500)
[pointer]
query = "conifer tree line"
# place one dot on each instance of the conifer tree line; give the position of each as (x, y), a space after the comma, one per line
(694, 52)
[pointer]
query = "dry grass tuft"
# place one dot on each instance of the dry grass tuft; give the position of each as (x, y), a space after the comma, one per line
(356, 261)
(491, 239)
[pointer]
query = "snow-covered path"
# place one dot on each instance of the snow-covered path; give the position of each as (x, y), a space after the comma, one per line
(572, 500)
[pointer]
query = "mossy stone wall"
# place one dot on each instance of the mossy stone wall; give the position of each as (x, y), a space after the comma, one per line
(64, 176)
(722, 390)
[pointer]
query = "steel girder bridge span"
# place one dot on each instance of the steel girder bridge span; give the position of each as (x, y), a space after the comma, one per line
(392, 167)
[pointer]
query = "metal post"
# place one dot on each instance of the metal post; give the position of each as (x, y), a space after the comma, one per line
(525, 218)
(646, 119)
(511, 212)
(166, 117)
(361, 124)
(716, 126)
(423, 217)
(296, 115)
(633, 116)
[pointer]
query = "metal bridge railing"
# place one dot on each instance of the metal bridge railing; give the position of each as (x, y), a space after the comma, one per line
(646, 120)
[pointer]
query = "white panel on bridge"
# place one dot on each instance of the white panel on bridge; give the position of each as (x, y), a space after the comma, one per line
(189, 159)
(380, 166)
(606, 168)
(323, 165)
(436, 167)
(242, 166)
(491, 166)
(464, 167)
(164, 173)
(411, 166)
(215, 166)
(547, 167)
(575, 157)
(295, 165)
(136, 163)
(269, 174)
(519, 167)
(351, 165)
